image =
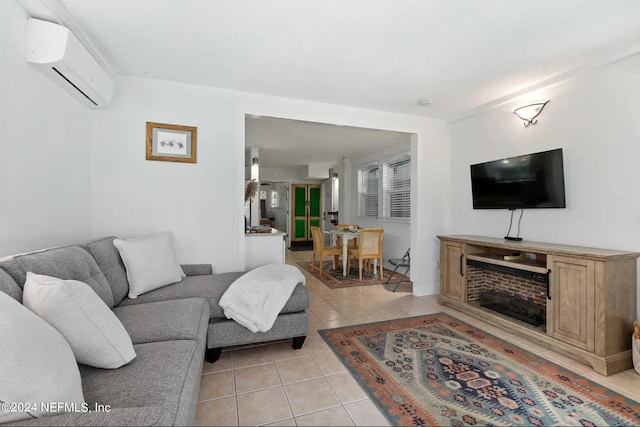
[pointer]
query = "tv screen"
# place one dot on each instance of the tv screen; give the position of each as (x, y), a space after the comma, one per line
(531, 181)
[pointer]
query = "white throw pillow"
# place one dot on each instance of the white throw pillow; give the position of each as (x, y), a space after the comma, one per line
(95, 334)
(37, 365)
(151, 263)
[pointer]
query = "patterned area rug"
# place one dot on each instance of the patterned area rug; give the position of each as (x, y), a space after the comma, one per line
(438, 370)
(333, 278)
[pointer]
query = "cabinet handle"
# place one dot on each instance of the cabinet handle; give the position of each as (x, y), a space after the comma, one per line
(461, 270)
(549, 284)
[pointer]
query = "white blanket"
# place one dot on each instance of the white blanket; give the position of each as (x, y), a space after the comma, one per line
(255, 298)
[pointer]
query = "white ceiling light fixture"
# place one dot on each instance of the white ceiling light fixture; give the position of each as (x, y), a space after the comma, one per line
(425, 102)
(530, 112)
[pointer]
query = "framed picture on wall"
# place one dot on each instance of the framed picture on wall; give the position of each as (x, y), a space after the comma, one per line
(171, 143)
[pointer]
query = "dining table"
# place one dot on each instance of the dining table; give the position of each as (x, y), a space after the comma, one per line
(346, 236)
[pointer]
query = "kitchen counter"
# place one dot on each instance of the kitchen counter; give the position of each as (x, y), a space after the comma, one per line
(273, 232)
(264, 248)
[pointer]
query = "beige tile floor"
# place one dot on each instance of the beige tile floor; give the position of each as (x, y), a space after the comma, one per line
(273, 385)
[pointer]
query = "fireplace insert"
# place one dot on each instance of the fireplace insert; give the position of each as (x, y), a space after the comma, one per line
(514, 306)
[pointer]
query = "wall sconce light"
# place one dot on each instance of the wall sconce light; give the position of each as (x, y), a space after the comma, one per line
(255, 161)
(334, 175)
(529, 112)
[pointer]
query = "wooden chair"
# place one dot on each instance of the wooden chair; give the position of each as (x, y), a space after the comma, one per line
(320, 250)
(370, 248)
(352, 243)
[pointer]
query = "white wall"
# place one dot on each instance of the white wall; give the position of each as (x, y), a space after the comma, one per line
(134, 196)
(45, 156)
(593, 117)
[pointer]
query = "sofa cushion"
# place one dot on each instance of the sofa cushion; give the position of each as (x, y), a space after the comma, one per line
(9, 286)
(37, 363)
(108, 259)
(95, 334)
(67, 263)
(165, 373)
(212, 287)
(182, 319)
(197, 269)
(225, 332)
(151, 263)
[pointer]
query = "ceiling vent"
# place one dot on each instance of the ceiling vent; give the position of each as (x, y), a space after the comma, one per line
(60, 55)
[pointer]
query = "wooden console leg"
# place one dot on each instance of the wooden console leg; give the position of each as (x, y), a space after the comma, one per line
(213, 354)
(298, 341)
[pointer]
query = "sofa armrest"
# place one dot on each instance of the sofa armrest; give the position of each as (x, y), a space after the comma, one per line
(197, 269)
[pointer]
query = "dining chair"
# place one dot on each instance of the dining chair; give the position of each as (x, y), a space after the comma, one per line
(352, 242)
(321, 251)
(369, 248)
(404, 262)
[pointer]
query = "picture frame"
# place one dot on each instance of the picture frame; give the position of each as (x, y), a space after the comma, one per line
(171, 143)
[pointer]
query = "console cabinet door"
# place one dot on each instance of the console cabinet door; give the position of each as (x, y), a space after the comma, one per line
(571, 309)
(453, 273)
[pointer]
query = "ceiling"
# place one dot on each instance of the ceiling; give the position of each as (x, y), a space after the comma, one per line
(386, 55)
(291, 144)
(378, 54)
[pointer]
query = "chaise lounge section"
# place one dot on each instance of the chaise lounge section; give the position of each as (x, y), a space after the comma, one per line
(201, 282)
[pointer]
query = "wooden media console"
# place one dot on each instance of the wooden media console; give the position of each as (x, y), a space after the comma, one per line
(587, 295)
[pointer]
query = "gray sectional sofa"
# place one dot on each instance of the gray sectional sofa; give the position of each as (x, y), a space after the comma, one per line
(172, 329)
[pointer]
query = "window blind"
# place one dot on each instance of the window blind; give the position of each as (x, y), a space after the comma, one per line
(368, 191)
(396, 181)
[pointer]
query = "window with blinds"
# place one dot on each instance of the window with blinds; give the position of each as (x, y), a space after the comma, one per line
(275, 199)
(396, 184)
(368, 191)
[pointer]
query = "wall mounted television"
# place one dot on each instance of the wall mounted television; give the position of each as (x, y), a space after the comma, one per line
(530, 181)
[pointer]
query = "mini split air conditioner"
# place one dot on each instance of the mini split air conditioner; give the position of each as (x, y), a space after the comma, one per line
(60, 55)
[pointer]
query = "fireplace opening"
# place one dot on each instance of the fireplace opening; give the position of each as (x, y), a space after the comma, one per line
(514, 306)
(512, 293)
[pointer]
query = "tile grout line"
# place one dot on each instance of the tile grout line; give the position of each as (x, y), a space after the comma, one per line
(235, 397)
(284, 389)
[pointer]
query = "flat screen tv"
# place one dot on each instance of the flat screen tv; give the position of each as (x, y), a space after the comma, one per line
(531, 181)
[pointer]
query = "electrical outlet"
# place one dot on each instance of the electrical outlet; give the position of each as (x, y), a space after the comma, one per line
(437, 264)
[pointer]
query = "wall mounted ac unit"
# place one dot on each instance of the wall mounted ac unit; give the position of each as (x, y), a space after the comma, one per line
(60, 55)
